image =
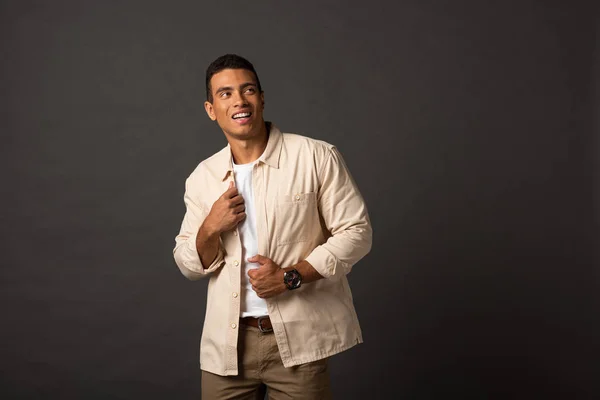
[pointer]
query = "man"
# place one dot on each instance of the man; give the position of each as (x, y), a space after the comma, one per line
(277, 222)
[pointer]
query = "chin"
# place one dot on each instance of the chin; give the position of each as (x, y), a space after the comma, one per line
(240, 134)
(249, 130)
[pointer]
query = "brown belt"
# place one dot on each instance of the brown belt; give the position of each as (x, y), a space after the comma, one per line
(262, 323)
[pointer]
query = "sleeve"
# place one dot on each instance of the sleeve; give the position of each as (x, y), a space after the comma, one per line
(185, 253)
(345, 215)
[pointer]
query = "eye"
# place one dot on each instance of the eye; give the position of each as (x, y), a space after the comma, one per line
(224, 94)
(250, 90)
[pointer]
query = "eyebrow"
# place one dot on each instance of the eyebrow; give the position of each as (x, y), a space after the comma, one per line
(245, 85)
(242, 86)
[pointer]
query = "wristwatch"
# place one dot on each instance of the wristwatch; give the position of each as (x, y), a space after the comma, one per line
(292, 279)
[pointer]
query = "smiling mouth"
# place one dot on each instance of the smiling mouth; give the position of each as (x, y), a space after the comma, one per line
(241, 115)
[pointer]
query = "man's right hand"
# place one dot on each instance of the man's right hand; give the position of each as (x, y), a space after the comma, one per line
(226, 212)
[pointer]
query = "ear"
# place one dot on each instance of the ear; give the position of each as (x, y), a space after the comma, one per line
(209, 110)
(262, 99)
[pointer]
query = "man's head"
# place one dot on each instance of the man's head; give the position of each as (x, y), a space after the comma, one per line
(234, 97)
(228, 61)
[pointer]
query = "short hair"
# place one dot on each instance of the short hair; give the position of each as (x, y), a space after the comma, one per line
(228, 61)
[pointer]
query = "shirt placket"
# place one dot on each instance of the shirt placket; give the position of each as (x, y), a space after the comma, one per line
(260, 191)
(234, 267)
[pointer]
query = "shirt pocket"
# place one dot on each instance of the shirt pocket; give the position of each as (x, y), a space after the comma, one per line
(296, 216)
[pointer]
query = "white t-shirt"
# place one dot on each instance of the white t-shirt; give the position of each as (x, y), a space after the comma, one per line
(251, 304)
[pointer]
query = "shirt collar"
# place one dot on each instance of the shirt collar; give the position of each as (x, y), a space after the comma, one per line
(270, 156)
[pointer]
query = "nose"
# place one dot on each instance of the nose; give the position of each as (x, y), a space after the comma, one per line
(240, 99)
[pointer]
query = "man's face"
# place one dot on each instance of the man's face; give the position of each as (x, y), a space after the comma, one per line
(237, 104)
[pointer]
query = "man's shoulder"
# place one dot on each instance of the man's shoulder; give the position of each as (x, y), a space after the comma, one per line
(306, 143)
(213, 164)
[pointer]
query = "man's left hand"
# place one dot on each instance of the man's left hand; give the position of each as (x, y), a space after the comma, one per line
(266, 280)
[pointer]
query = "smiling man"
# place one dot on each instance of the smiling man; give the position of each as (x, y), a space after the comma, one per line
(276, 221)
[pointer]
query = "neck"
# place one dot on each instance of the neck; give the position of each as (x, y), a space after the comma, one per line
(249, 150)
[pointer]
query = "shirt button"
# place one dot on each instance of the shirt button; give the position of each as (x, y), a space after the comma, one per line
(234, 294)
(233, 326)
(236, 263)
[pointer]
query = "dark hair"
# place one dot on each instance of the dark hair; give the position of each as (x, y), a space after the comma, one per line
(228, 61)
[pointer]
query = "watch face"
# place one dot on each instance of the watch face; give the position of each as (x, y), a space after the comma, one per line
(292, 279)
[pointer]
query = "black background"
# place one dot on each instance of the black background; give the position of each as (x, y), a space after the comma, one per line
(470, 127)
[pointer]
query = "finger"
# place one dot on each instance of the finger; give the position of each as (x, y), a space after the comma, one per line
(235, 200)
(240, 216)
(239, 208)
(230, 192)
(259, 259)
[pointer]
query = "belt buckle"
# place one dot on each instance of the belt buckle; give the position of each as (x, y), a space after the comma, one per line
(260, 327)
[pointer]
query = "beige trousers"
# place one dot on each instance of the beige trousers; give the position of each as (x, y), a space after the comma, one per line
(261, 371)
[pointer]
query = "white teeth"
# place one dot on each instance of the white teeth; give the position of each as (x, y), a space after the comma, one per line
(241, 115)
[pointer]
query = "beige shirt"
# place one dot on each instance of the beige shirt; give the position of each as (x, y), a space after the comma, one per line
(307, 207)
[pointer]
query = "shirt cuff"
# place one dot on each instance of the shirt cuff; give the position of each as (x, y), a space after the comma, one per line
(192, 264)
(326, 264)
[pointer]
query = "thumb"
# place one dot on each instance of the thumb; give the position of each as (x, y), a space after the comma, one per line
(227, 193)
(258, 259)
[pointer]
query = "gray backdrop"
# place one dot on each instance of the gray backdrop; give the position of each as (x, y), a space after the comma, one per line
(468, 125)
